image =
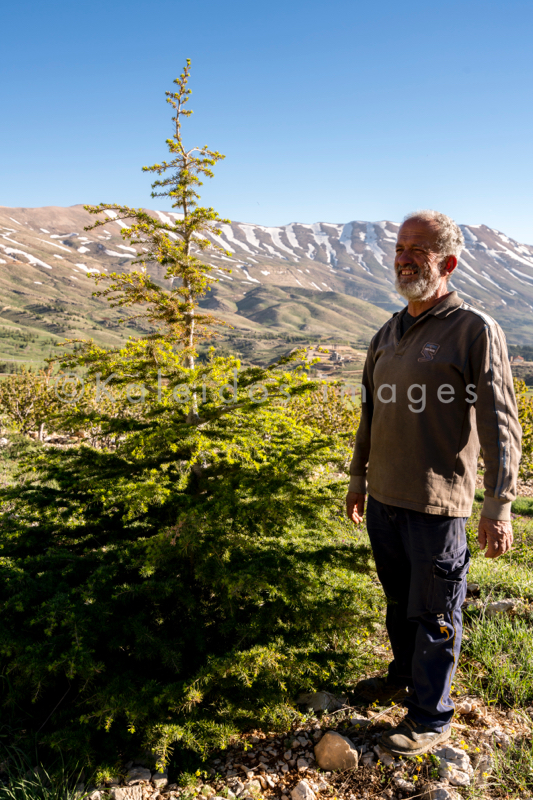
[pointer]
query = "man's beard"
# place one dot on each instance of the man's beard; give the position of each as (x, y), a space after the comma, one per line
(424, 287)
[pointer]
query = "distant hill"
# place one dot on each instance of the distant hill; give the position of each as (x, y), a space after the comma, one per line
(294, 282)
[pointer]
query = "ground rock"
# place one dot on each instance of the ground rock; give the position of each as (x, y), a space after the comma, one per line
(501, 607)
(252, 787)
(403, 785)
(160, 779)
(367, 759)
(302, 791)
(321, 701)
(454, 766)
(441, 793)
(136, 774)
(335, 752)
(302, 764)
(237, 786)
(383, 756)
(126, 793)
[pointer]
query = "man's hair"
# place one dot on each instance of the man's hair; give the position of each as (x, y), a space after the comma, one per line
(450, 239)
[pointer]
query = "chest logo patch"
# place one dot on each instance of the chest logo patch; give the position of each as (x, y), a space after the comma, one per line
(428, 351)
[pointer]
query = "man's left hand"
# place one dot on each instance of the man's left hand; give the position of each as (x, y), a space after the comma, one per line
(496, 535)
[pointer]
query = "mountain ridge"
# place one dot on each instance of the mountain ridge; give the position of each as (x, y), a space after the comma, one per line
(298, 280)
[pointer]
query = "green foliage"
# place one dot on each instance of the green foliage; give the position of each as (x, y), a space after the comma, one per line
(499, 658)
(27, 400)
(188, 571)
(513, 767)
(525, 416)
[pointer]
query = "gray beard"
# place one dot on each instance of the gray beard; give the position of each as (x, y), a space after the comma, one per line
(423, 288)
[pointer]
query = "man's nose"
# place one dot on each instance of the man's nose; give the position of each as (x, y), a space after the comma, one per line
(404, 258)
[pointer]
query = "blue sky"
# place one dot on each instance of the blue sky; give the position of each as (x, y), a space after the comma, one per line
(327, 111)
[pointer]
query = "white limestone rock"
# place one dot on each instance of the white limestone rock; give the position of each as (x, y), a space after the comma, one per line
(302, 791)
(336, 753)
(321, 701)
(160, 780)
(501, 607)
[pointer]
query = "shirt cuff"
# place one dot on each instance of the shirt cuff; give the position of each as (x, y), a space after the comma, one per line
(495, 509)
(357, 484)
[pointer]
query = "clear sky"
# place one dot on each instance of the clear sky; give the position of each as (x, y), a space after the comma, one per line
(327, 111)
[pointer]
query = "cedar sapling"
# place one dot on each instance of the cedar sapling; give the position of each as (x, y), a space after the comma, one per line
(188, 572)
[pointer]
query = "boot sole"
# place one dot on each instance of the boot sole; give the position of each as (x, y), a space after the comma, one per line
(443, 737)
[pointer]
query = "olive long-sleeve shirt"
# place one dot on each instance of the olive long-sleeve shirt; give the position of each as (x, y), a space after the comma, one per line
(430, 398)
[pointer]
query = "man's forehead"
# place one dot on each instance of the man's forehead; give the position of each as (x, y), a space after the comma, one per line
(419, 231)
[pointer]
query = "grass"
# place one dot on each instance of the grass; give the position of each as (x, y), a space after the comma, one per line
(19, 780)
(497, 660)
(512, 769)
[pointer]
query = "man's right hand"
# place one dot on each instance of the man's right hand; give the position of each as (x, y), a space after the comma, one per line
(355, 506)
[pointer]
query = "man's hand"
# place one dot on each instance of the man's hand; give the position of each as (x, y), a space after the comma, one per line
(496, 535)
(355, 506)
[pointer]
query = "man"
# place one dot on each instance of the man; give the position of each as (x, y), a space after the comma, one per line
(437, 384)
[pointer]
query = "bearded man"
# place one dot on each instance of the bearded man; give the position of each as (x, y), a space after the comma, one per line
(437, 384)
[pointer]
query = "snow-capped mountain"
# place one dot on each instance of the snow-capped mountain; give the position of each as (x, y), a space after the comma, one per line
(47, 257)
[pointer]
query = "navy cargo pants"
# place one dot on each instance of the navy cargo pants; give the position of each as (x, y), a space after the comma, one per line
(422, 561)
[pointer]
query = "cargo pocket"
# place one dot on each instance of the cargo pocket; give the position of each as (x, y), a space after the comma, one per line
(449, 580)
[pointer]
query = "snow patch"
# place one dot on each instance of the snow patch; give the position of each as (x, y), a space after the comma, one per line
(467, 233)
(15, 220)
(346, 238)
(119, 255)
(248, 231)
(33, 261)
(87, 269)
(83, 250)
(44, 231)
(227, 230)
(322, 238)
(372, 244)
(55, 244)
(291, 236)
(275, 236)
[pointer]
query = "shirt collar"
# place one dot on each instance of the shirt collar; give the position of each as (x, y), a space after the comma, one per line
(450, 304)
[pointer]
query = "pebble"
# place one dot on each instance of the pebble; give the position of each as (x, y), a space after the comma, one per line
(501, 607)
(302, 764)
(383, 756)
(442, 793)
(160, 780)
(454, 766)
(403, 785)
(302, 791)
(136, 774)
(321, 701)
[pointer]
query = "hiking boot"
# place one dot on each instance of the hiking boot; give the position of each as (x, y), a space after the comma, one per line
(380, 689)
(410, 739)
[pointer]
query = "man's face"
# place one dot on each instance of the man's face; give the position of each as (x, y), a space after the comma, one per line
(418, 265)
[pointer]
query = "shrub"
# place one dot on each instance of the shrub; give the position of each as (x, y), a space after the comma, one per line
(187, 573)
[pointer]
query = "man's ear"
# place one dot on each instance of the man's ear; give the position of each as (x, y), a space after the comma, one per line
(450, 264)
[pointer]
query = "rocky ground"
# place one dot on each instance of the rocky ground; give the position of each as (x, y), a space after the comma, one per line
(337, 756)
